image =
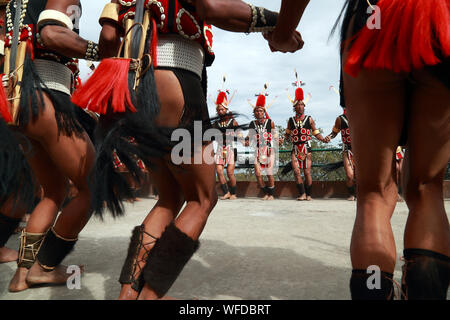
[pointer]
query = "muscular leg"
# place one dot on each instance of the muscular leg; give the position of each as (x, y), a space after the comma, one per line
(165, 211)
(42, 218)
(298, 178)
(232, 179)
(308, 178)
(349, 176)
(197, 182)
(428, 153)
(73, 157)
(259, 178)
(223, 182)
(375, 95)
(270, 179)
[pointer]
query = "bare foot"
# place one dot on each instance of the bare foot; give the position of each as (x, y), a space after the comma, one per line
(128, 293)
(233, 197)
(226, 196)
(308, 198)
(37, 275)
(8, 255)
(18, 282)
(302, 197)
(400, 199)
(270, 198)
(265, 197)
(156, 197)
(351, 198)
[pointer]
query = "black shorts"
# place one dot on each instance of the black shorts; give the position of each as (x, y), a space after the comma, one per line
(195, 106)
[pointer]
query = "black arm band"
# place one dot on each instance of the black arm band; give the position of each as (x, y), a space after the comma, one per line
(263, 20)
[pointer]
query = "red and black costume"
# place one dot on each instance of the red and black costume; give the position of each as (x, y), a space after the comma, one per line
(301, 132)
(226, 152)
(262, 141)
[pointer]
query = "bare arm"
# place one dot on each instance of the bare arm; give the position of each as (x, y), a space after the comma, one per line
(316, 132)
(336, 128)
(62, 39)
(230, 15)
(281, 39)
(110, 38)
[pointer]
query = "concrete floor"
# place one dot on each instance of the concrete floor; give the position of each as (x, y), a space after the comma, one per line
(250, 249)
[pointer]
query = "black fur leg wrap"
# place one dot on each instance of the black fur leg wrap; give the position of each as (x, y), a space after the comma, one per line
(308, 190)
(167, 259)
(351, 190)
(53, 250)
(7, 227)
(224, 188)
(426, 275)
(271, 191)
(233, 190)
(265, 189)
(301, 189)
(360, 290)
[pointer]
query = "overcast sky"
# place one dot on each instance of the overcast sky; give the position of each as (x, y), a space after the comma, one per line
(248, 63)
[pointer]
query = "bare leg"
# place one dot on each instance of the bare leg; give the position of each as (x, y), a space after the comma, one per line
(259, 178)
(428, 153)
(298, 176)
(197, 184)
(165, 211)
(349, 175)
(375, 95)
(54, 186)
(223, 181)
(269, 172)
(231, 178)
(73, 158)
(307, 172)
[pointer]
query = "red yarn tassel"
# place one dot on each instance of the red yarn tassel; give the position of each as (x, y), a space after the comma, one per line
(413, 34)
(154, 43)
(4, 107)
(106, 88)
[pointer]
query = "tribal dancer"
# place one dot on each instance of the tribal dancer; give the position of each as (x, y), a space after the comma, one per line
(167, 83)
(406, 65)
(263, 136)
(300, 129)
(40, 39)
(226, 155)
(341, 125)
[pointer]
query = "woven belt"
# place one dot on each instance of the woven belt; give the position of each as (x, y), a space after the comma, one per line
(55, 76)
(177, 52)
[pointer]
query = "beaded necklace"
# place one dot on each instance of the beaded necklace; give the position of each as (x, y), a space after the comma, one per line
(9, 21)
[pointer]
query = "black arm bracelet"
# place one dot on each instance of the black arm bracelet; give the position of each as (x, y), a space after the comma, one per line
(263, 20)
